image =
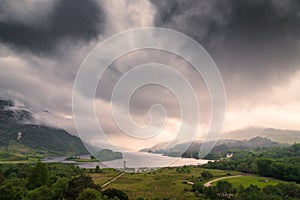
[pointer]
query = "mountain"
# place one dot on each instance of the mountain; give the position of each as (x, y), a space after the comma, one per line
(277, 135)
(158, 148)
(17, 128)
(107, 155)
(220, 148)
(231, 146)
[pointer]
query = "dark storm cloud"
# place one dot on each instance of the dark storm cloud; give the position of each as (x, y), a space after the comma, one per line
(254, 43)
(256, 39)
(71, 20)
(255, 23)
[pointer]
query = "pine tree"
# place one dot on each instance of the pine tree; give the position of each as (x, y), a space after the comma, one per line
(39, 176)
(97, 169)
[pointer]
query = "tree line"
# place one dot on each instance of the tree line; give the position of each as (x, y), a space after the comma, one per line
(225, 190)
(51, 182)
(281, 163)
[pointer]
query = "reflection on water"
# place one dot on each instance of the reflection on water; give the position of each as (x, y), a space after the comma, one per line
(135, 160)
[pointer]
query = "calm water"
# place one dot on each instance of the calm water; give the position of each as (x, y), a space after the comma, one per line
(136, 160)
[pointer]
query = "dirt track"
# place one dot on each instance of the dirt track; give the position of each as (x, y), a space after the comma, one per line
(208, 184)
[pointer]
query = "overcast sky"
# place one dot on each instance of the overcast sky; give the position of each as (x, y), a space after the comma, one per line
(255, 44)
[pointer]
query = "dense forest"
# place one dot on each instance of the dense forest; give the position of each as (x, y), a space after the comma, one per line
(51, 182)
(281, 162)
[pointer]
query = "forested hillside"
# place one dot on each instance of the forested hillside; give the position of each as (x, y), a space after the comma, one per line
(281, 162)
(16, 126)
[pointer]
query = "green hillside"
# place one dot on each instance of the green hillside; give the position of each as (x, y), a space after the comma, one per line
(277, 135)
(34, 138)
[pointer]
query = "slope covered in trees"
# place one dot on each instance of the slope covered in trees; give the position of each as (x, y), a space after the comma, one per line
(16, 125)
(51, 182)
(281, 163)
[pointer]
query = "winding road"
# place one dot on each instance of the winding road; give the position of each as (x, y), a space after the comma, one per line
(107, 183)
(208, 184)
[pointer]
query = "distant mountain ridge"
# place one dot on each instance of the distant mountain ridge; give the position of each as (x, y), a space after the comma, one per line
(37, 137)
(277, 135)
(225, 145)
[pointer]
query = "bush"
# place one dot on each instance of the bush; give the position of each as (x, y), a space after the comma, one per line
(11, 192)
(41, 193)
(111, 193)
(39, 176)
(78, 184)
(206, 175)
(89, 194)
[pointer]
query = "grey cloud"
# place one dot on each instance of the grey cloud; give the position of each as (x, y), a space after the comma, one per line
(242, 25)
(254, 43)
(33, 36)
(151, 94)
(71, 20)
(30, 12)
(250, 39)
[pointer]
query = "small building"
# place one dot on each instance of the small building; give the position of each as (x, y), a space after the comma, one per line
(124, 164)
(19, 136)
(229, 155)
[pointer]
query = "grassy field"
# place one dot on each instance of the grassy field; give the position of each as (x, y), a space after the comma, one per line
(16, 152)
(82, 160)
(166, 182)
(248, 180)
(19, 157)
(171, 182)
(105, 176)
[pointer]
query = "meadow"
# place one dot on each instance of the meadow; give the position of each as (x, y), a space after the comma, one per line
(248, 180)
(169, 182)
